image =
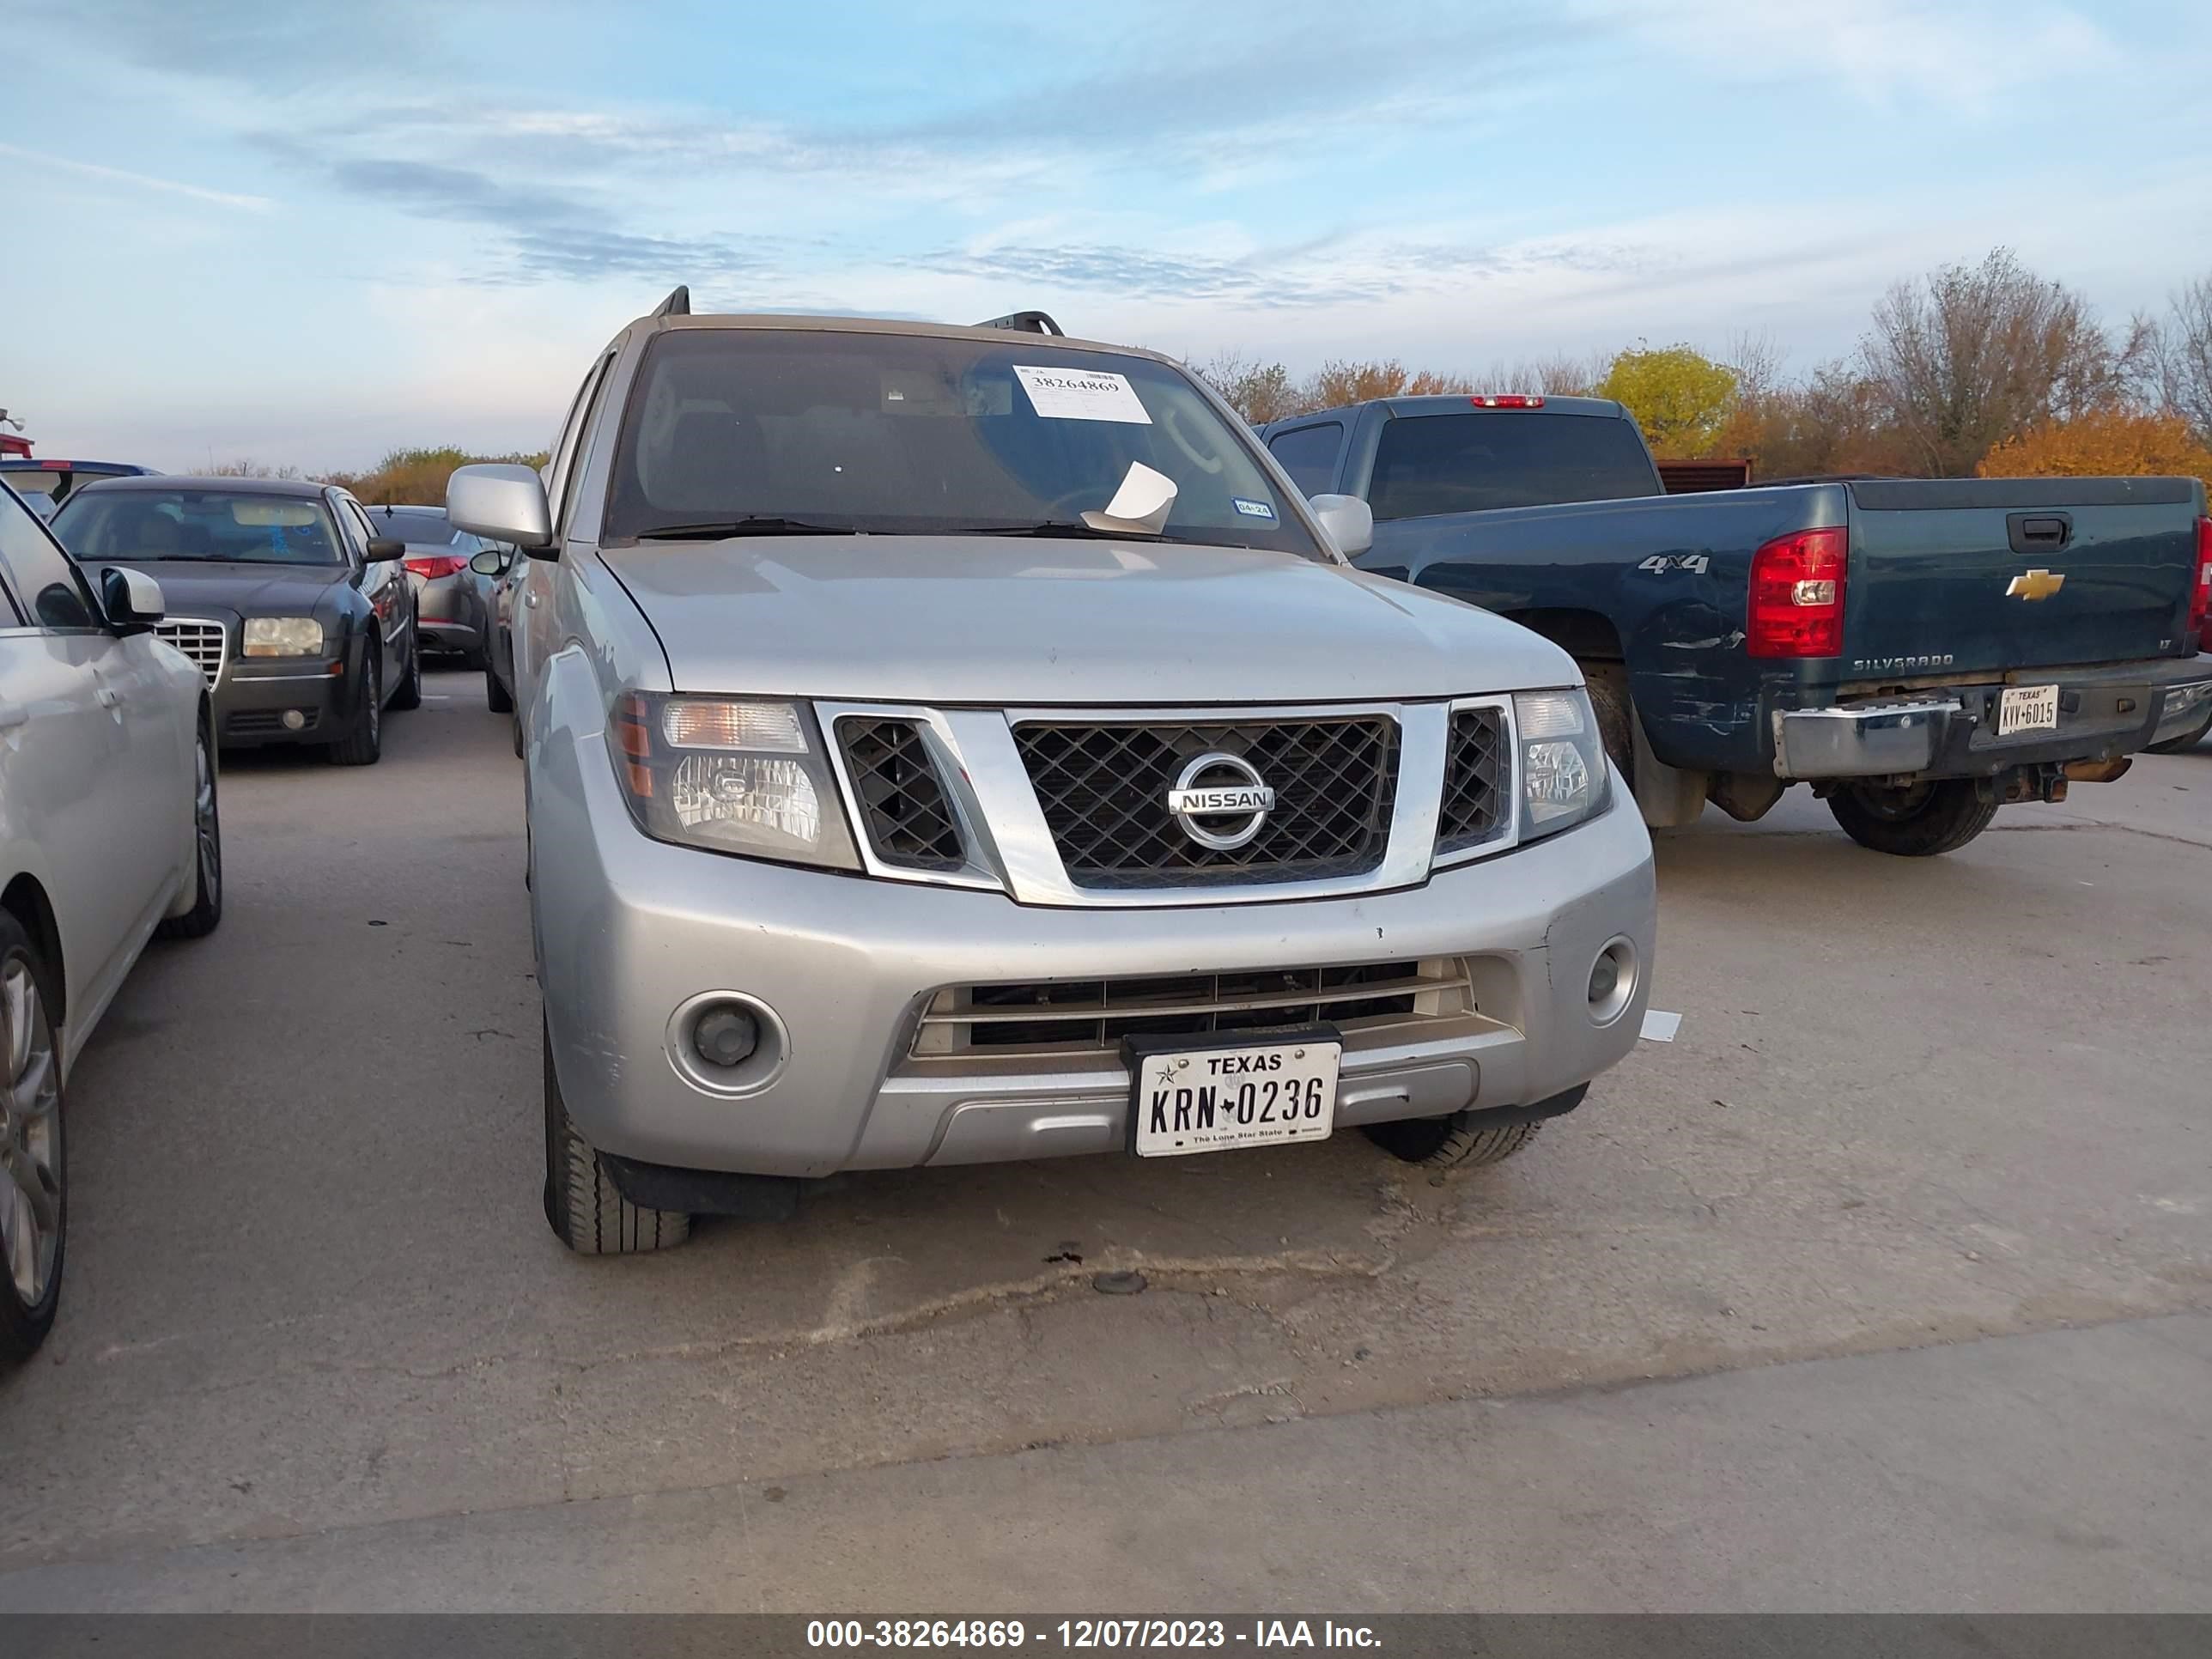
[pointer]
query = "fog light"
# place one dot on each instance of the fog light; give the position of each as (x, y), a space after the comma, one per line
(727, 1042)
(1612, 981)
(1603, 978)
(726, 1036)
(293, 719)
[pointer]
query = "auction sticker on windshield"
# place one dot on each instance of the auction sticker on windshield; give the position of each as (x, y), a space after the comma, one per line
(1082, 394)
(1238, 1092)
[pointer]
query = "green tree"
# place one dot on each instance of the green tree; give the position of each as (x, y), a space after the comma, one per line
(1680, 397)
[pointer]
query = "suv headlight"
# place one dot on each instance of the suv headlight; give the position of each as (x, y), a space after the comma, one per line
(284, 636)
(731, 775)
(1564, 776)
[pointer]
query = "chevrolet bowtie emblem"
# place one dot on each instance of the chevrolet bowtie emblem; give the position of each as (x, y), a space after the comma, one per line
(2036, 585)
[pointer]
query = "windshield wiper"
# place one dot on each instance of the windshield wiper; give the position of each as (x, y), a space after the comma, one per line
(1061, 529)
(755, 526)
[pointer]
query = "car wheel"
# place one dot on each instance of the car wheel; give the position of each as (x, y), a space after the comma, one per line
(207, 839)
(1452, 1141)
(1610, 704)
(365, 743)
(410, 693)
(34, 1198)
(495, 693)
(1914, 821)
(2184, 743)
(586, 1210)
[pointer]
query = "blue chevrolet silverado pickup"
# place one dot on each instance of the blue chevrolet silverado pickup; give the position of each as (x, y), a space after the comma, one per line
(1919, 652)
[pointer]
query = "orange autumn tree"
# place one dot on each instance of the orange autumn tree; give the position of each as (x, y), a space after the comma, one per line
(2103, 443)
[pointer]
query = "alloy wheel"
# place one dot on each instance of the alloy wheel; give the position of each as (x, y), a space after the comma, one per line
(30, 1137)
(203, 822)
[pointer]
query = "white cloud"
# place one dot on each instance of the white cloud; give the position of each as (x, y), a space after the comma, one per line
(1965, 54)
(142, 180)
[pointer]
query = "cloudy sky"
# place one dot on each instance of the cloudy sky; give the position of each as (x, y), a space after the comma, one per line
(307, 230)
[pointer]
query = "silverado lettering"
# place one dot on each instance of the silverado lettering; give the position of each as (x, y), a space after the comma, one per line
(1899, 664)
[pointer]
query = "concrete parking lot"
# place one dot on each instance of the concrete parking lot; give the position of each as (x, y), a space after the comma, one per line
(1885, 1285)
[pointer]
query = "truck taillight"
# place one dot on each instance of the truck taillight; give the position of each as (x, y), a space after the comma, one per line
(2200, 597)
(1507, 400)
(1797, 595)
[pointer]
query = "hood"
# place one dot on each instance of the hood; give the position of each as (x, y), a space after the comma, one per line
(1002, 621)
(199, 587)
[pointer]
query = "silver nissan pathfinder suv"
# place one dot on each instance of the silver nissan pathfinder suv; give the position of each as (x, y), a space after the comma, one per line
(954, 744)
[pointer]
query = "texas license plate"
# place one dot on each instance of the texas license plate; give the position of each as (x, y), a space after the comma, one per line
(2027, 708)
(1243, 1092)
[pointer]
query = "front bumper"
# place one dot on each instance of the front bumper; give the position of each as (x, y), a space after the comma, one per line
(630, 929)
(254, 698)
(1951, 731)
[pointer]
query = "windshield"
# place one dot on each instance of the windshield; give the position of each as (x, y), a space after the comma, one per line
(198, 523)
(1432, 463)
(903, 435)
(418, 526)
(33, 481)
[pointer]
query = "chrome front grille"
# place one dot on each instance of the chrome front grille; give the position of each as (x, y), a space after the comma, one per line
(1035, 1016)
(1102, 787)
(903, 808)
(1478, 800)
(207, 643)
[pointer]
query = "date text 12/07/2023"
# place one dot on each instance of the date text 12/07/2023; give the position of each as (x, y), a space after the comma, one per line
(1083, 1634)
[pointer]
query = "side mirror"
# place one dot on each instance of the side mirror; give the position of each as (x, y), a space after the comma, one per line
(381, 548)
(500, 502)
(131, 598)
(1348, 521)
(492, 562)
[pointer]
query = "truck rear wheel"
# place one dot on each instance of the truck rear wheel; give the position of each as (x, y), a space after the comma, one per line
(1609, 702)
(1913, 821)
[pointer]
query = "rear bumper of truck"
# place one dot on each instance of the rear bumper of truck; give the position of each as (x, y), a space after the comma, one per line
(1951, 731)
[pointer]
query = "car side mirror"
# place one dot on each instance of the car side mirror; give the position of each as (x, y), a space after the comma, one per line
(381, 548)
(1348, 521)
(131, 598)
(502, 503)
(492, 562)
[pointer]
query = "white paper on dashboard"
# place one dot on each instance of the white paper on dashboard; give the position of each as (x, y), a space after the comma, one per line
(1082, 394)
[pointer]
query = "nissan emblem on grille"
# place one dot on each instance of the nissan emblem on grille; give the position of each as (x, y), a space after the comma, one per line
(1221, 800)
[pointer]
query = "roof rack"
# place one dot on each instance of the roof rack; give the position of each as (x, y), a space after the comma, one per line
(1026, 322)
(678, 304)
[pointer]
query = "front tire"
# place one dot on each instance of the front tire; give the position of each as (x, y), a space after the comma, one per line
(207, 845)
(410, 693)
(1917, 821)
(33, 1193)
(1455, 1141)
(586, 1212)
(364, 744)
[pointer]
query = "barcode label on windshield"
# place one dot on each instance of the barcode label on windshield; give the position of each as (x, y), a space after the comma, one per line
(1082, 394)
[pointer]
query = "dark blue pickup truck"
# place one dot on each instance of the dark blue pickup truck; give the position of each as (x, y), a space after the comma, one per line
(1918, 651)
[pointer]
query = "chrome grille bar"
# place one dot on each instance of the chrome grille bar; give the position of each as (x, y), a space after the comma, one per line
(207, 643)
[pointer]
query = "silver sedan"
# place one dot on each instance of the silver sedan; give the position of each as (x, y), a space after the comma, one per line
(108, 835)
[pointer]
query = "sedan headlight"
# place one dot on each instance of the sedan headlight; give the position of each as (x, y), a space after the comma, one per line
(730, 775)
(284, 636)
(1564, 776)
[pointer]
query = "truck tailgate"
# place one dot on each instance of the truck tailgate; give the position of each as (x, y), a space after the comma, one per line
(1989, 575)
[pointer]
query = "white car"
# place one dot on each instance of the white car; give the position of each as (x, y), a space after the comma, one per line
(108, 834)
